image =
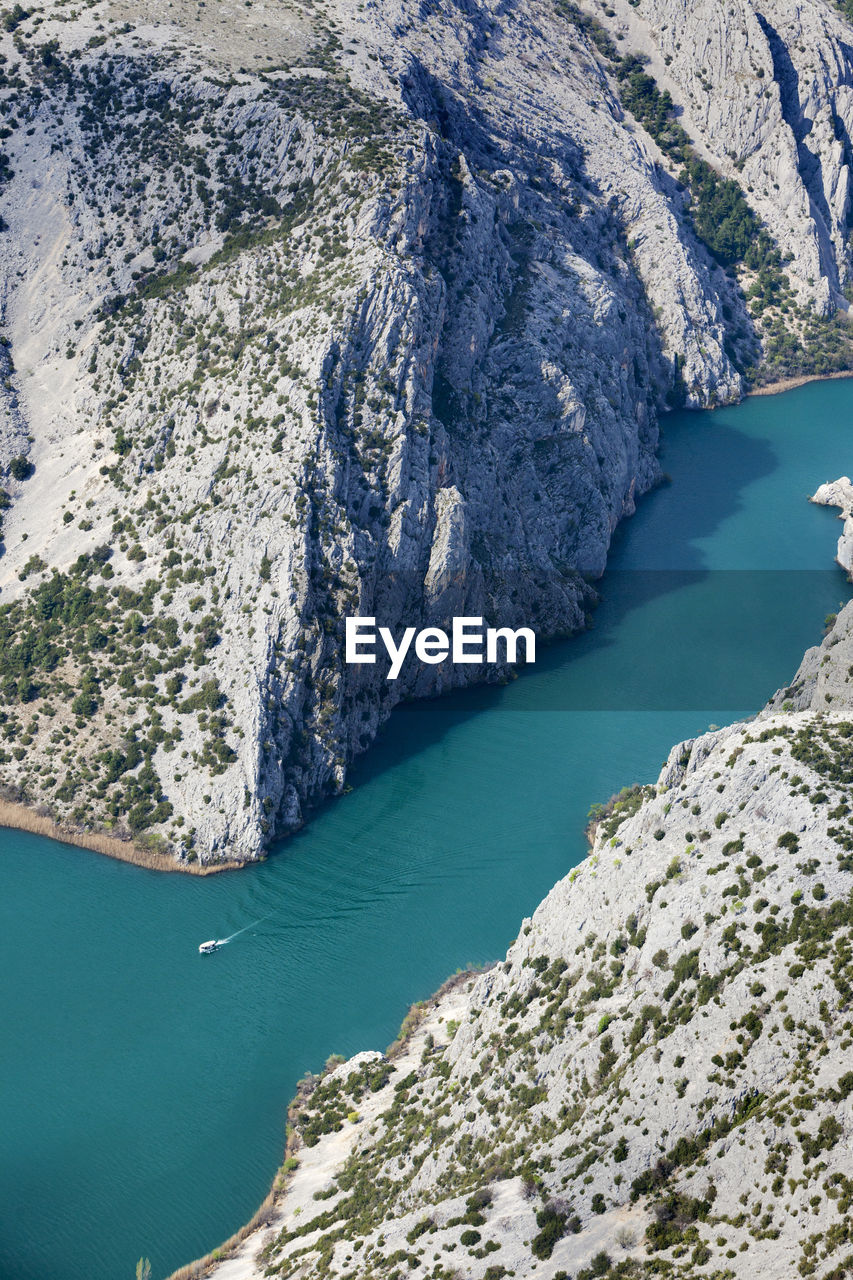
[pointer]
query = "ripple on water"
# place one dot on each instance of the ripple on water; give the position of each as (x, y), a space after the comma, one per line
(144, 1087)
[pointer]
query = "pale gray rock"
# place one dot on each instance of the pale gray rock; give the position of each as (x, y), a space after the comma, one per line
(839, 493)
(662, 1060)
(374, 313)
(766, 89)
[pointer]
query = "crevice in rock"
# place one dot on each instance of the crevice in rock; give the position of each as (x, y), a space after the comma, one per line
(808, 164)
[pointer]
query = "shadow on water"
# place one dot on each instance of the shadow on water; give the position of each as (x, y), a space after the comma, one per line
(144, 1087)
(715, 464)
(718, 463)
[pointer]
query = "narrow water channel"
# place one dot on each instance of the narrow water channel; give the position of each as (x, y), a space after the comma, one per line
(143, 1088)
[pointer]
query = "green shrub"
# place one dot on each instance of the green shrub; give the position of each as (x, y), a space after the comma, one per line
(21, 468)
(425, 1225)
(552, 1223)
(599, 1266)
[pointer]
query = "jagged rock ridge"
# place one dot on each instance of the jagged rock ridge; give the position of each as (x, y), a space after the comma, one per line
(360, 311)
(656, 1081)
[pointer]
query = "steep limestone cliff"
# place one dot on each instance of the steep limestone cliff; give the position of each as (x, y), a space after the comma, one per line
(365, 309)
(656, 1081)
(766, 89)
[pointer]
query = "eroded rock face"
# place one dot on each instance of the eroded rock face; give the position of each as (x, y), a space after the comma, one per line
(658, 1072)
(767, 91)
(372, 314)
(839, 493)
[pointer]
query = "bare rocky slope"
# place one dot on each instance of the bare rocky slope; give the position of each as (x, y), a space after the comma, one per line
(656, 1081)
(360, 308)
(766, 90)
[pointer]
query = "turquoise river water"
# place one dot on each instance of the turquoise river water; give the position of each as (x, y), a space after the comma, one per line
(143, 1088)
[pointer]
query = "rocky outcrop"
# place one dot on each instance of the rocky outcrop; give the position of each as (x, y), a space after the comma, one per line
(839, 493)
(374, 314)
(657, 1078)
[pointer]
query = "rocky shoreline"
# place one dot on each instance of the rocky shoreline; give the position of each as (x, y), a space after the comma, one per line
(790, 384)
(399, 348)
(20, 817)
(666, 1039)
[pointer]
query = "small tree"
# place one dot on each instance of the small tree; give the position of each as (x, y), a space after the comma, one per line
(21, 468)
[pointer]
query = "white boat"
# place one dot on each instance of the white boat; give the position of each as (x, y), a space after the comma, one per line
(207, 947)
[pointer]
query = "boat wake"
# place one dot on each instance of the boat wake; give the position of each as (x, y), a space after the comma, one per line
(250, 925)
(215, 943)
